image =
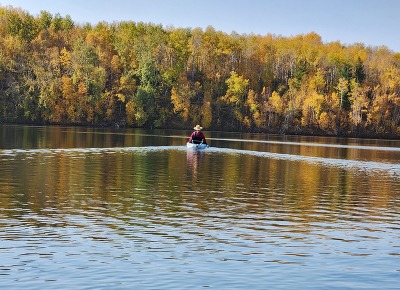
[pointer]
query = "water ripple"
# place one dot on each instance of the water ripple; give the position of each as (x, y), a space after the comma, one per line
(366, 166)
(163, 218)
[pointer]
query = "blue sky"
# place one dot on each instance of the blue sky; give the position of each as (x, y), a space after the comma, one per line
(372, 22)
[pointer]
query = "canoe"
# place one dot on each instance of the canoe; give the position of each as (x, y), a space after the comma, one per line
(194, 146)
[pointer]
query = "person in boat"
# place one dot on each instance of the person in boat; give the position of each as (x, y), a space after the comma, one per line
(197, 136)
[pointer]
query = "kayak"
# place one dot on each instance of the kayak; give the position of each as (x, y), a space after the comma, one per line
(194, 146)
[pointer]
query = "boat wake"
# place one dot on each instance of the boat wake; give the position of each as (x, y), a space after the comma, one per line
(309, 144)
(367, 166)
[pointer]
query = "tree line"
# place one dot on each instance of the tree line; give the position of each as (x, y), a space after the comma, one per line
(54, 71)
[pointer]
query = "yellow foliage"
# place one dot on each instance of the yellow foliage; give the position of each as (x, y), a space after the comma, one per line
(82, 89)
(127, 84)
(77, 73)
(121, 97)
(130, 112)
(343, 86)
(312, 108)
(324, 120)
(67, 87)
(135, 114)
(258, 119)
(237, 87)
(65, 57)
(391, 79)
(115, 63)
(358, 101)
(317, 82)
(181, 101)
(275, 102)
(246, 122)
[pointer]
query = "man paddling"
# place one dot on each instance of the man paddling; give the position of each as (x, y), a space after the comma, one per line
(197, 136)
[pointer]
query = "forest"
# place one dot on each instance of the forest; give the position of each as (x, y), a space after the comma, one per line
(133, 74)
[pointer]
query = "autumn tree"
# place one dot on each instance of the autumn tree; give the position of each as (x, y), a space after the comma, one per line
(53, 70)
(233, 101)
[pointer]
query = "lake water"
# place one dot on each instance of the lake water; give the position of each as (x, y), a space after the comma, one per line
(91, 208)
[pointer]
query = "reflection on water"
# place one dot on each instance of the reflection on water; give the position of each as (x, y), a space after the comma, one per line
(193, 156)
(125, 212)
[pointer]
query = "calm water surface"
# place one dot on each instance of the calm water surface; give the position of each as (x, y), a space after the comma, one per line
(84, 208)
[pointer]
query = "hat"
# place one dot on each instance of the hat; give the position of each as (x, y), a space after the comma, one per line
(198, 127)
